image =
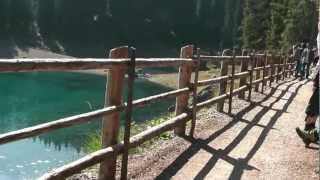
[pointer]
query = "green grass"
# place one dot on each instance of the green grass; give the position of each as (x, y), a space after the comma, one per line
(93, 142)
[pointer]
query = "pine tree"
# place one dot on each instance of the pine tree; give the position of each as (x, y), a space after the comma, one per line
(300, 22)
(277, 23)
(256, 21)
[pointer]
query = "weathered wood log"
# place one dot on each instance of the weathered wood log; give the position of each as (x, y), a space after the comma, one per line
(252, 62)
(264, 63)
(258, 65)
(128, 120)
(185, 71)
(151, 99)
(239, 90)
(284, 67)
(111, 123)
(195, 93)
(258, 68)
(241, 75)
(83, 118)
(223, 84)
(231, 83)
(243, 79)
(258, 81)
(214, 100)
(58, 124)
(214, 80)
(261, 68)
(110, 152)
(279, 65)
(272, 71)
(211, 101)
(222, 58)
(26, 65)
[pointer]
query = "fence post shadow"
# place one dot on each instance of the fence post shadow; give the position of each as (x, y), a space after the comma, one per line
(239, 164)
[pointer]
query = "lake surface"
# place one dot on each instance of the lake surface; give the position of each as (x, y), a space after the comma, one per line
(28, 99)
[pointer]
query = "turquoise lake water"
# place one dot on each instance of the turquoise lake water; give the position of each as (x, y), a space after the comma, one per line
(28, 99)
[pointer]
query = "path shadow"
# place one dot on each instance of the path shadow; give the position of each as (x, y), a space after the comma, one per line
(239, 165)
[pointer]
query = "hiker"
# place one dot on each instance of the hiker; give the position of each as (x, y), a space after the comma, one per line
(305, 65)
(297, 50)
(305, 60)
(310, 134)
(312, 56)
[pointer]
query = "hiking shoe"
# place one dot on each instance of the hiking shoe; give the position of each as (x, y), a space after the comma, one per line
(306, 136)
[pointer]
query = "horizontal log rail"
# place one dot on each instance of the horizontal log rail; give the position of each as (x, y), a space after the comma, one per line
(257, 81)
(214, 100)
(223, 58)
(25, 65)
(242, 74)
(187, 63)
(143, 101)
(237, 91)
(96, 157)
(211, 101)
(83, 118)
(58, 124)
(212, 81)
(261, 68)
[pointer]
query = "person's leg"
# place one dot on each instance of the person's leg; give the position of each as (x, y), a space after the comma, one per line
(310, 123)
(302, 70)
(312, 111)
(307, 70)
(297, 68)
(311, 136)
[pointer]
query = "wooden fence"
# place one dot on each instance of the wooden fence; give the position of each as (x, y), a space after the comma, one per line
(122, 60)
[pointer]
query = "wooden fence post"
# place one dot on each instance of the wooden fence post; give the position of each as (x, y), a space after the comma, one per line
(185, 72)
(252, 64)
(195, 93)
(272, 70)
(265, 61)
(278, 68)
(257, 64)
(284, 75)
(268, 71)
(281, 66)
(243, 81)
(223, 84)
(127, 133)
(232, 81)
(292, 66)
(111, 123)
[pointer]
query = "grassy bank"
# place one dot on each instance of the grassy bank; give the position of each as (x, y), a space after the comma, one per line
(93, 142)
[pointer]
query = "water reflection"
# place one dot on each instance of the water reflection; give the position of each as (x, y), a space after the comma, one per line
(33, 98)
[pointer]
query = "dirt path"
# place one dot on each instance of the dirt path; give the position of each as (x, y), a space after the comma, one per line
(258, 142)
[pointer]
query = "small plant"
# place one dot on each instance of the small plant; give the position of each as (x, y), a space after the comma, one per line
(93, 142)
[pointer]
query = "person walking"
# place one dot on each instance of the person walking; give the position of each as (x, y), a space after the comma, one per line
(297, 50)
(310, 134)
(305, 68)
